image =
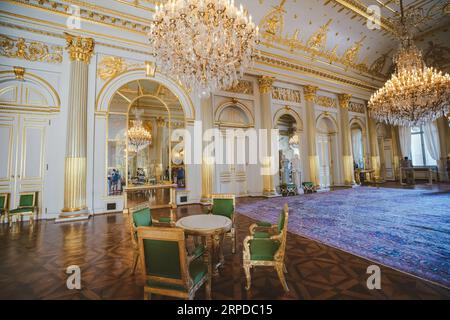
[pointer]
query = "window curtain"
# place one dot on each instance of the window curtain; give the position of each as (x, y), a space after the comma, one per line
(357, 147)
(431, 137)
(405, 140)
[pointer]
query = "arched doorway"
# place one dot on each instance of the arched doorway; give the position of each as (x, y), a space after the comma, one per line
(326, 143)
(148, 106)
(358, 145)
(289, 154)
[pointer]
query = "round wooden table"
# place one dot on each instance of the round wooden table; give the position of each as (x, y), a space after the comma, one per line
(211, 228)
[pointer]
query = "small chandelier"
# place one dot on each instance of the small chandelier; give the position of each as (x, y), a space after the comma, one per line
(415, 93)
(207, 44)
(138, 136)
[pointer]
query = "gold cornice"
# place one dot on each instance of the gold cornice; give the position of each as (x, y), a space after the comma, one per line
(361, 9)
(80, 48)
(88, 15)
(265, 84)
(344, 100)
(310, 93)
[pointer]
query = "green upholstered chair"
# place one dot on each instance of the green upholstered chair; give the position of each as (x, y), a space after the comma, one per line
(141, 216)
(308, 187)
(224, 205)
(265, 229)
(27, 207)
(4, 206)
(268, 252)
(169, 270)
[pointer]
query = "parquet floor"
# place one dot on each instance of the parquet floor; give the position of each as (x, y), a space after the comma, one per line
(33, 264)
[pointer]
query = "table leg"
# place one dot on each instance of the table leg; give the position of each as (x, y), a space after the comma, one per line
(209, 256)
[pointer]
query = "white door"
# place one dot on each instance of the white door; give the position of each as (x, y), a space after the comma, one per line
(232, 174)
(388, 160)
(324, 154)
(22, 165)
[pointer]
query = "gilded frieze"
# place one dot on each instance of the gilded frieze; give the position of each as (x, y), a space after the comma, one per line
(242, 87)
(285, 94)
(325, 101)
(356, 107)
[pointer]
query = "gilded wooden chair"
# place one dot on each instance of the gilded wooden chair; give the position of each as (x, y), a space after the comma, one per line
(27, 207)
(4, 206)
(141, 216)
(224, 205)
(263, 229)
(169, 270)
(267, 251)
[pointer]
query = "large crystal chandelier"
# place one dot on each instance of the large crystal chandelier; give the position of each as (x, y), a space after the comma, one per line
(138, 136)
(207, 44)
(415, 93)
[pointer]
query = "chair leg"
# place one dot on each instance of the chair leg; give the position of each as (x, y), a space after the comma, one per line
(135, 262)
(147, 296)
(233, 240)
(284, 268)
(208, 289)
(248, 277)
(280, 273)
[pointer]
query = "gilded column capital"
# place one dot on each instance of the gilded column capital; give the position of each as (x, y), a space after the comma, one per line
(160, 122)
(265, 84)
(344, 100)
(80, 48)
(310, 93)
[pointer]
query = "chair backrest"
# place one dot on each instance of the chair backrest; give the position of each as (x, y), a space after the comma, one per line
(283, 231)
(27, 199)
(223, 204)
(142, 217)
(163, 255)
(4, 197)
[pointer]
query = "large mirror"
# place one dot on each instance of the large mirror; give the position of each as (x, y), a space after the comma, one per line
(141, 118)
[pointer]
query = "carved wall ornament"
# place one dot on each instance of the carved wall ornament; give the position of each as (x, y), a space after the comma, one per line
(242, 87)
(110, 66)
(319, 38)
(325, 101)
(285, 94)
(351, 54)
(80, 48)
(30, 50)
(356, 107)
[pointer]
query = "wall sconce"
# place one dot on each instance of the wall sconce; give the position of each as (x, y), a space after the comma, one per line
(150, 68)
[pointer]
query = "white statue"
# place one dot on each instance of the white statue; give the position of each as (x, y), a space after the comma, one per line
(296, 172)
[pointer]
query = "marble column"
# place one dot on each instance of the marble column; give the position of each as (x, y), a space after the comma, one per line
(80, 51)
(208, 162)
(160, 124)
(443, 130)
(265, 89)
(346, 138)
(396, 152)
(375, 160)
(313, 159)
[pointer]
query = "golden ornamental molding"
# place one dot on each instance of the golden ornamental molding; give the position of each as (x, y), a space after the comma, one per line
(111, 66)
(242, 87)
(272, 31)
(310, 93)
(91, 13)
(326, 102)
(265, 84)
(30, 50)
(286, 94)
(19, 72)
(356, 107)
(344, 99)
(80, 48)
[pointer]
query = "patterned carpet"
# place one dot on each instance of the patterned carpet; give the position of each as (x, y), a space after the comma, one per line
(405, 229)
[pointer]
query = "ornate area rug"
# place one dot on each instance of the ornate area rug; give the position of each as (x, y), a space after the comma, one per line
(406, 229)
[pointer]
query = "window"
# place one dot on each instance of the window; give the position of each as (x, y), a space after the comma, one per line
(419, 153)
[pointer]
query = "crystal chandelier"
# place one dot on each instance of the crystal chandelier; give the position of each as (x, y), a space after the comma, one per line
(138, 136)
(415, 93)
(207, 44)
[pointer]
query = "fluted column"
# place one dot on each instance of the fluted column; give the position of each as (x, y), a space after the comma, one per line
(375, 161)
(313, 160)
(207, 161)
(80, 51)
(265, 89)
(443, 130)
(344, 100)
(396, 152)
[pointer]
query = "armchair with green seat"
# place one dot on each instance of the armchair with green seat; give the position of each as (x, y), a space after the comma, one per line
(267, 249)
(265, 229)
(4, 206)
(224, 205)
(141, 216)
(27, 207)
(168, 268)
